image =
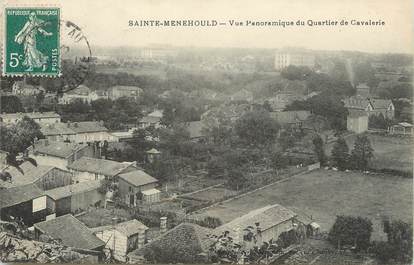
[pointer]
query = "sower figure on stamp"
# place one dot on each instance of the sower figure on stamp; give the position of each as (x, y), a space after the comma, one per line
(27, 35)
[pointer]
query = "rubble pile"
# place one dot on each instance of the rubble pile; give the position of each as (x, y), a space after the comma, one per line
(14, 249)
(304, 255)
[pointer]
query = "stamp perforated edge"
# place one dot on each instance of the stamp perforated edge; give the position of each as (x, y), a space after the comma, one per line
(3, 33)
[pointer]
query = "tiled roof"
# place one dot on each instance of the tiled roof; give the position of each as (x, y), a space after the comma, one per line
(381, 103)
(195, 128)
(80, 90)
(185, 240)
(17, 195)
(58, 149)
(267, 217)
(30, 174)
(87, 126)
(356, 103)
(130, 227)
(150, 119)
(137, 178)
(32, 115)
(56, 129)
(99, 166)
(127, 88)
(287, 117)
(66, 191)
(71, 231)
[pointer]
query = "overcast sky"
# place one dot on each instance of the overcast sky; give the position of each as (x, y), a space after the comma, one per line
(105, 23)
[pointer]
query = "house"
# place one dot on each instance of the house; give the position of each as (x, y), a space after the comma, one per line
(123, 238)
(285, 59)
(137, 186)
(282, 99)
(44, 177)
(59, 154)
(90, 131)
(384, 107)
(357, 121)
(196, 130)
(87, 168)
(403, 128)
(21, 88)
(38, 117)
(58, 132)
(74, 198)
(290, 118)
(81, 93)
(187, 242)
(27, 202)
(153, 154)
(265, 223)
(371, 106)
(70, 232)
(150, 121)
(116, 92)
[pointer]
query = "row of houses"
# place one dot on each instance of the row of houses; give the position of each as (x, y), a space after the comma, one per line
(87, 95)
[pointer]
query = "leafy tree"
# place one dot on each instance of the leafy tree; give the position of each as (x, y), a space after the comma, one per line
(293, 72)
(159, 169)
(362, 152)
(340, 154)
(379, 122)
(10, 104)
(400, 238)
(237, 179)
(257, 128)
(18, 137)
(350, 230)
(172, 139)
(216, 167)
(279, 161)
(319, 150)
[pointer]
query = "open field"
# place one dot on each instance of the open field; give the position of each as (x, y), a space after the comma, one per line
(324, 194)
(390, 152)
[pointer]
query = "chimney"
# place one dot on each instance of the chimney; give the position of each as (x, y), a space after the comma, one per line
(163, 224)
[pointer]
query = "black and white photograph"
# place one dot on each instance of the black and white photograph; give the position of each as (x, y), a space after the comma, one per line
(206, 132)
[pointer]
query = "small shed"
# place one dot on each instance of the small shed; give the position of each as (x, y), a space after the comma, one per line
(401, 128)
(123, 237)
(137, 186)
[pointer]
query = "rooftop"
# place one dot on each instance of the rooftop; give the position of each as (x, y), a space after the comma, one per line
(56, 129)
(195, 128)
(32, 115)
(17, 195)
(71, 231)
(87, 127)
(127, 88)
(286, 117)
(186, 240)
(57, 149)
(137, 178)
(150, 119)
(66, 191)
(30, 174)
(99, 166)
(267, 217)
(130, 227)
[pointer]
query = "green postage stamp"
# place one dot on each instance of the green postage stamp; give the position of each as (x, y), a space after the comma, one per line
(31, 41)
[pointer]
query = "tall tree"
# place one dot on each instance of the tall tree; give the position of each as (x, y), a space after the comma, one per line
(340, 154)
(350, 230)
(257, 128)
(11, 104)
(362, 152)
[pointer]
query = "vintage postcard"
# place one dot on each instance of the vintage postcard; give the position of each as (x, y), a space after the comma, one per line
(201, 132)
